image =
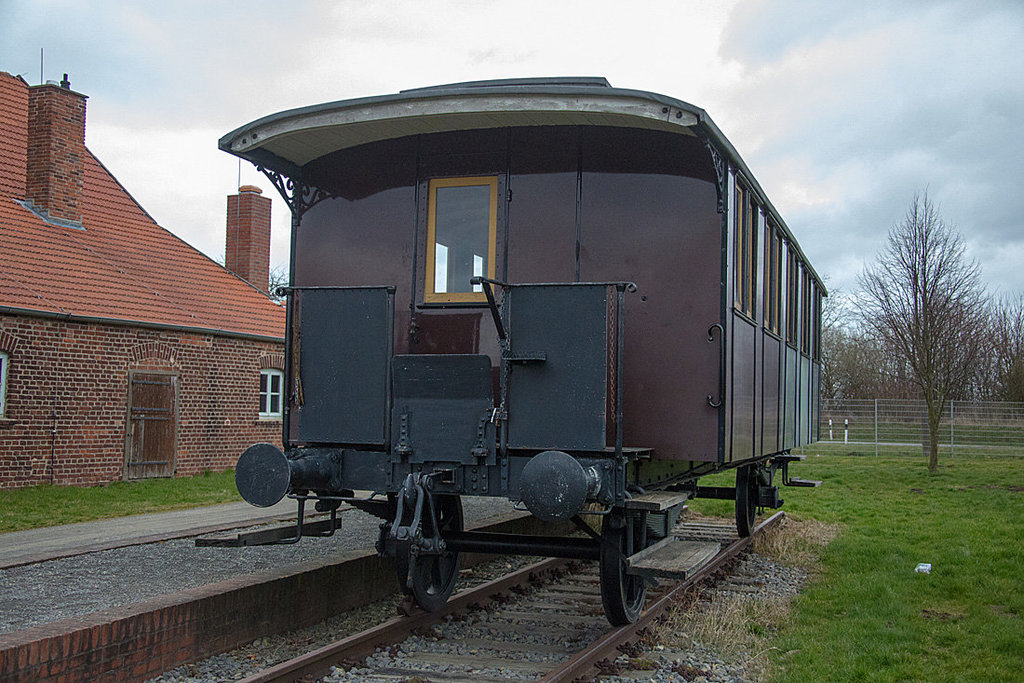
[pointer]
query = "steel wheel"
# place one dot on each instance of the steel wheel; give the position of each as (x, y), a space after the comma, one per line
(622, 594)
(433, 578)
(746, 499)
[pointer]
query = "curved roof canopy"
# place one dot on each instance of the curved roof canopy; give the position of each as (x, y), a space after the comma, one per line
(289, 140)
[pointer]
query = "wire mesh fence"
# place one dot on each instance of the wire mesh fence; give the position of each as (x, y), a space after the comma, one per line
(975, 425)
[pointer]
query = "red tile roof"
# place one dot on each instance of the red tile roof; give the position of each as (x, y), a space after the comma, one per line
(121, 265)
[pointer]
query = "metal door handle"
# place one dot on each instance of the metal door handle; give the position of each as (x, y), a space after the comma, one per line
(721, 364)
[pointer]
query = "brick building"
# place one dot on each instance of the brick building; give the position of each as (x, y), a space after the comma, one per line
(124, 352)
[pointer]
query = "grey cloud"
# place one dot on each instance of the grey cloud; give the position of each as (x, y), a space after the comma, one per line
(939, 106)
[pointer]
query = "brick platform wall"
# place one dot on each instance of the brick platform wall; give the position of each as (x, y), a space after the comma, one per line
(67, 398)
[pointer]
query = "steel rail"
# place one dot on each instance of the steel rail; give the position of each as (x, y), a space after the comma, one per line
(360, 645)
(585, 661)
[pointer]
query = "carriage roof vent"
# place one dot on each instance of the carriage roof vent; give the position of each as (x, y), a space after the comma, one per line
(561, 81)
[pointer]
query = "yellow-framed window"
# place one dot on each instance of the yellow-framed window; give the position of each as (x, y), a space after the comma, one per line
(462, 228)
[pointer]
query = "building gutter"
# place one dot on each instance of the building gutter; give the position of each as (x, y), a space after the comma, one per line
(87, 319)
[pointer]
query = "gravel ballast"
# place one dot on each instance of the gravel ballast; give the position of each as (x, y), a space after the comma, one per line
(49, 591)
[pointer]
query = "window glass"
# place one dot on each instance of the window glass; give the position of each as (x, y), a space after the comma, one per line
(772, 277)
(744, 255)
(792, 298)
(817, 323)
(738, 204)
(3, 383)
(805, 312)
(270, 398)
(461, 226)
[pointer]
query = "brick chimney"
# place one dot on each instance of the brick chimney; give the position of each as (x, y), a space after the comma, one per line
(56, 149)
(13, 135)
(247, 252)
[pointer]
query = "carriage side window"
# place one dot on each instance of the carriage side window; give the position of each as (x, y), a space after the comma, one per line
(772, 277)
(271, 393)
(744, 260)
(462, 218)
(4, 363)
(817, 323)
(805, 312)
(792, 298)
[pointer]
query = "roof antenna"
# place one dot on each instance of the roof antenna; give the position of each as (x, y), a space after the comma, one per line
(40, 66)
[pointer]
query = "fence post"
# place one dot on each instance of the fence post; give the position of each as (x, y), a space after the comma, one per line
(876, 427)
(846, 430)
(952, 422)
(830, 429)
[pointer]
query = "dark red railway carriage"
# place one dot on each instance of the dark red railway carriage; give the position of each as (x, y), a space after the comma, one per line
(569, 295)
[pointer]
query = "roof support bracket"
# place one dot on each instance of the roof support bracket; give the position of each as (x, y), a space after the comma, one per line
(299, 196)
(720, 172)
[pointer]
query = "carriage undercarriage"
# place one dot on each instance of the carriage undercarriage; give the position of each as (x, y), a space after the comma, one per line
(422, 529)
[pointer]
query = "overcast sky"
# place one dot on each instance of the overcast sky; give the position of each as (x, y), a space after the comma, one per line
(842, 110)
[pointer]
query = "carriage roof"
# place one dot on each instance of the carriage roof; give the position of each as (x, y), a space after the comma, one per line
(286, 141)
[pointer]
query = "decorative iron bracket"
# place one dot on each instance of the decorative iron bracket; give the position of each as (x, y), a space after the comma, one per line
(720, 172)
(299, 196)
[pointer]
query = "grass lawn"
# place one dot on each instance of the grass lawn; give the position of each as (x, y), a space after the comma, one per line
(867, 615)
(39, 506)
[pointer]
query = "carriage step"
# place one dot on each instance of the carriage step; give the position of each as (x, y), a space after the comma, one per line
(789, 457)
(656, 501)
(811, 483)
(672, 558)
(267, 536)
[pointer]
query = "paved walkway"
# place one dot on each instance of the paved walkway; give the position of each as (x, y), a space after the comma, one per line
(37, 545)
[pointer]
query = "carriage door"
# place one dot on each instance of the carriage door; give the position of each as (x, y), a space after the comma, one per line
(152, 421)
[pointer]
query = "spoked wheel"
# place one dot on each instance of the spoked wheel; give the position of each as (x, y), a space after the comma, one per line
(746, 499)
(622, 594)
(433, 577)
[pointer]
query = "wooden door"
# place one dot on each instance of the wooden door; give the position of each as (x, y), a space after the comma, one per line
(152, 421)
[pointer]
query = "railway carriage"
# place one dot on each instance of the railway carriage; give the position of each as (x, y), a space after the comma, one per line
(573, 296)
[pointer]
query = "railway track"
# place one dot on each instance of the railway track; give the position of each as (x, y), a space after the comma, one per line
(543, 622)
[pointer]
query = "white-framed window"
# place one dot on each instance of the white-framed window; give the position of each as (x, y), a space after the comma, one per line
(271, 393)
(5, 361)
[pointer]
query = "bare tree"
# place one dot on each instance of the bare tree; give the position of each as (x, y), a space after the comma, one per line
(278, 278)
(924, 301)
(1007, 330)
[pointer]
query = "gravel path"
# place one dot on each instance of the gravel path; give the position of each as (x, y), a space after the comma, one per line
(74, 586)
